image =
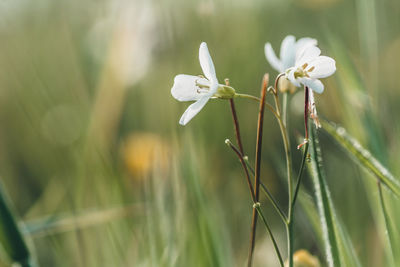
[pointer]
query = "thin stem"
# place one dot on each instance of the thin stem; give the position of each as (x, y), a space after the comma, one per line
(276, 96)
(282, 126)
(278, 253)
(299, 176)
(288, 159)
(257, 204)
(248, 96)
(284, 108)
(389, 230)
(11, 236)
(257, 167)
(229, 143)
(236, 123)
(240, 153)
(306, 107)
(274, 203)
(271, 108)
(263, 187)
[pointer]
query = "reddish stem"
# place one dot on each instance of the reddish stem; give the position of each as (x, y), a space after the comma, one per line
(257, 167)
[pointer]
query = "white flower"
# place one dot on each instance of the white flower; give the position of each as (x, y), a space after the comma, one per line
(195, 88)
(309, 67)
(289, 49)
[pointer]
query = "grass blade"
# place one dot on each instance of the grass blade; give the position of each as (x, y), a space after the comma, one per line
(362, 156)
(390, 231)
(324, 203)
(11, 237)
(338, 245)
(56, 224)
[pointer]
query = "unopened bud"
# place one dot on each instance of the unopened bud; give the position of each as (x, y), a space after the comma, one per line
(285, 86)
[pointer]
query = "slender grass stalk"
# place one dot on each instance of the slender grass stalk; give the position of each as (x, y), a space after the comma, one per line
(271, 108)
(236, 124)
(56, 224)
(257, 167)
(229, 143)
(362, 156)
(299, 176)
(274, 202)
(11, 237)
(336, 240)
(257, 204)
(240, 153)
(325, 206)
(390, 234)
(268, 194)
(283, 129)
(278, 253)
(284, 108)
(281, 117)
(263, 187)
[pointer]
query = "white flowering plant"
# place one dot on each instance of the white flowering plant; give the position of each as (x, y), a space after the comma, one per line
(300, 64)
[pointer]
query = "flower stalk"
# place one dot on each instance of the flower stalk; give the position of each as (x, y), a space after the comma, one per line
(257, 167)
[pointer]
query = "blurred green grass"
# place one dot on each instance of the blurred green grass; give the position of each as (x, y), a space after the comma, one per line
(79, 78)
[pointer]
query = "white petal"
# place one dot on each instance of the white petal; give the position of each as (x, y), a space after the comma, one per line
(213, 87)
(272, 58)
(206, 62)
(323, 67)
(308, 54)
(304, 43)
(193, 109)
(185, 89)
(316, 85)
(288, 51)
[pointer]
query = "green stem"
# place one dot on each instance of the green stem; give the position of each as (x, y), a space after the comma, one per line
(389, 230)
(239, 154)
(248, 96)
(271, 108)
(257, 206)
(263, 186)
(299, 176)
(282, 126)
(257, 168)
(11, 237)
(278, 253)
(274, 203)
(284, 108)
(283, 129)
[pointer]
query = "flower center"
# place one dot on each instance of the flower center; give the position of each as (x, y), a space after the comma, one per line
(303, 72)
(203, 85)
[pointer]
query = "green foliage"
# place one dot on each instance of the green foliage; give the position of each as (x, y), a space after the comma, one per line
(338, 247)
(363, 157)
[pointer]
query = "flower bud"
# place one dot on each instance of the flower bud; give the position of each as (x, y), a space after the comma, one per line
(225, 92)
(302, 258)
(285, 86)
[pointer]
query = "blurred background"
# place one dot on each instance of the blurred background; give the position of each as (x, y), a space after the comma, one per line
(101, 173)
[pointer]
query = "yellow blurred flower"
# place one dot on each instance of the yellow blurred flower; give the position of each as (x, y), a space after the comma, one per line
(302, 258)
(144, 152)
